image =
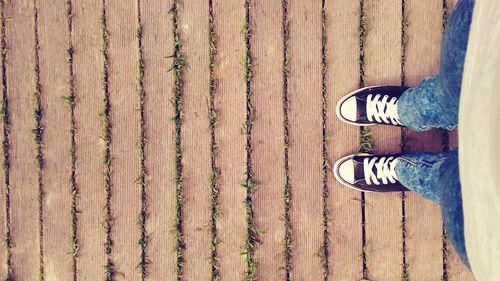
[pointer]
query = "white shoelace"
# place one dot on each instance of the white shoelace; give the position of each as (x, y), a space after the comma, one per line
(385, 170)
(383, 110)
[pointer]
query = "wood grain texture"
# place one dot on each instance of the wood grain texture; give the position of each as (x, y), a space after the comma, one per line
(159, 154)
(306, 138)
(125, 198)
(343, 77)
(229, 18)
(451, 4)
(88, 64)
(268, 135)
(196, 139)
(383, 211)
(54, 75)
(457, 270)
(24, 178)
(424, 242)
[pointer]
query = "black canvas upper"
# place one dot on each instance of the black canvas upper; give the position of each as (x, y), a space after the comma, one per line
(361, 99)
(359, 176)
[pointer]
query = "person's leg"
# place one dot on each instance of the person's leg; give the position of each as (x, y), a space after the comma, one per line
(421, 109)
(450, 192)
(434, 103)
(436, 177)
(419, 172)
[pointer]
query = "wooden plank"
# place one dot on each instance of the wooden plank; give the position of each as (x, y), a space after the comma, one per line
(424, 256)
(343, 77)
(383, 211)
(158, 84)
(229, 18)
(451, 4)
(268, 135)
(88, 65)
(54, 75)
(125, 199)
(24, 178)
(196, 140)
(306, 138)
(456, 269)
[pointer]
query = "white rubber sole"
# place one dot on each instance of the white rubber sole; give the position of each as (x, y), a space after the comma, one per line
(337, 176)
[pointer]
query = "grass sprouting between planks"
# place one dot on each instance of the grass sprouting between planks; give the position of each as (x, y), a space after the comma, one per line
(214, 177)
(110, 271)
(71, 100)
(445, 15)
(445, 252)
(446, 147)
(6, 147)
(404, 43)
(38, 138)
(287, 192)
(141, 146)
(365, 141)
(326, 136)
(177, 69)
(252, 240)
(365, 137)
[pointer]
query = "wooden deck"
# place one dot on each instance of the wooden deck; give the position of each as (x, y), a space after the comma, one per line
(192, 140)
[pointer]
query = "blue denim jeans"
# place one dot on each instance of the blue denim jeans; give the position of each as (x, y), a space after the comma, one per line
(436, 177)
(434, 104)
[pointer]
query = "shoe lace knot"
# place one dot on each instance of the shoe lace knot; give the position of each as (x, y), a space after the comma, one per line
(384, 170)
(383, 109)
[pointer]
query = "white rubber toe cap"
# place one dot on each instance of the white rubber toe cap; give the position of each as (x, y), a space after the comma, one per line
(348, 109)
(344, 170)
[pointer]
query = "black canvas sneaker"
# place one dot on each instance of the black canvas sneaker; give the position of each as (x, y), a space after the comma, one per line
(371, 105)
(369, 173)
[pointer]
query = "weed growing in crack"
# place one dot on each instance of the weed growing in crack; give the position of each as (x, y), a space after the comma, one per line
(287, 192)
(177, 69)
(141, 147)
(215, 173)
